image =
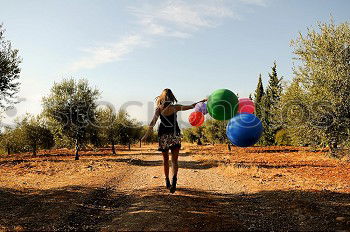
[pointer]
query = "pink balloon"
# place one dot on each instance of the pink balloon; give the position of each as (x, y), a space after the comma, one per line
(245, 105)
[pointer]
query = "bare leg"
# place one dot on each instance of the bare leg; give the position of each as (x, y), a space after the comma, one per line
(174, 160)
(166, 168)
(166, 163)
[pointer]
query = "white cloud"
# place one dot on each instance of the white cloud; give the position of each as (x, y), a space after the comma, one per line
(176, 18)
(179, 18)
(108, 53)
(255, 2)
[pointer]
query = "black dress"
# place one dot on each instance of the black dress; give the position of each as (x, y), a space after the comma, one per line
(169, 133)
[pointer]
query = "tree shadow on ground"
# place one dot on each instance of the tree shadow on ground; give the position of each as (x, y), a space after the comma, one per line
(14, 162)
(279, 166)
(182, 164)
(191, 209)
(27, 158)
(155, 153)
(79, 208)
(215, 163)
(71, 208)
(154, 163)
(273, 151)
(83, 158)
(11, 163)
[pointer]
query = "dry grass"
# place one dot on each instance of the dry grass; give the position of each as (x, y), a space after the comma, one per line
(273, 188)
(57, 169)
(259, 168)
(282, 168)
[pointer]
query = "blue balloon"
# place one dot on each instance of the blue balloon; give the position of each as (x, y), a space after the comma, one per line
(244, 130)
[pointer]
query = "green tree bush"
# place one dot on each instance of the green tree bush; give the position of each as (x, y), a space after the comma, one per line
(153, 136)
(30, 134)
(35, 134)
(215, 131)
(128, 130)
(259, 93)
(72, 105)
(269, 107)
(107, 126)
(118, 128)
(194, 135)
(282, 138)
(60, 138)
(9, 71)
(11, 140)
(323, 79)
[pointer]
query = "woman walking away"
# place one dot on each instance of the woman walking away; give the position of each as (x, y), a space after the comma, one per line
(169, 136)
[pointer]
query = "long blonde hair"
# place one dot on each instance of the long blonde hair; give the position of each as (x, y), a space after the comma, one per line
(165, 98)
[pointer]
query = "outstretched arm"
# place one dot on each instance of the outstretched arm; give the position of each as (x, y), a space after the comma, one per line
(187, 107)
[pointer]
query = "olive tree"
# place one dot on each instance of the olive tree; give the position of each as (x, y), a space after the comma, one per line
(107, 126)
(29, 134)
(128, 130)
(322, 78)
(215, 131)
(194, 135)
(72, 104)
(9, 71)
(11, 140)
(35, 133)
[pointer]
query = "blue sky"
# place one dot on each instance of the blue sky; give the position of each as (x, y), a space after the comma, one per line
(131, 50)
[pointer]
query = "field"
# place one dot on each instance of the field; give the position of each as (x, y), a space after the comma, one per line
(273, 188)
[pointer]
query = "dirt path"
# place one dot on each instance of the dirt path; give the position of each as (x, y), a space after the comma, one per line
(138, 200)
(152, 207)
(134, 198)
(208, 200)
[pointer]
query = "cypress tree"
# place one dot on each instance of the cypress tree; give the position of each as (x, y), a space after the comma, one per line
(269, 105)
(274, 89)
(259, 93)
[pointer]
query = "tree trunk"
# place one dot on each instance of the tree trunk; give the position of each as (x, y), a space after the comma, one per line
(229, 147)
(140, 143)
(129, 146)
(8, 151)
(334, 148)
(113, 147)
(199, 142)
(34, 149)
(76, 150)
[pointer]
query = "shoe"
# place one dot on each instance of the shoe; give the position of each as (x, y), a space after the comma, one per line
(167, 183)
(173, 186)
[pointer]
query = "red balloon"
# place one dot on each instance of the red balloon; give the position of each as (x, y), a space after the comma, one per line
(196, 118)
(245, 105)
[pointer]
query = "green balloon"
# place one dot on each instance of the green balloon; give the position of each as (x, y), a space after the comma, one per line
(222, 104)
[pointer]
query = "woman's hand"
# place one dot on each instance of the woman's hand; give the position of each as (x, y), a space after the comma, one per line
(194, 104)
(204, 100)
